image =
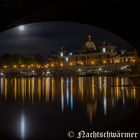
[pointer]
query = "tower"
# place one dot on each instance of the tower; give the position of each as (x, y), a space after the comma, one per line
(90, 44)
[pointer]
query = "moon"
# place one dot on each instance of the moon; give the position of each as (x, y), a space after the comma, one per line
(21, 28)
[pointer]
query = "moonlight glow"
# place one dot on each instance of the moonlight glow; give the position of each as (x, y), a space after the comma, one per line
(21, 27)
(22, 126)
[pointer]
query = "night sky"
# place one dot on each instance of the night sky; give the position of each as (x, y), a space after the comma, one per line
(41, 38)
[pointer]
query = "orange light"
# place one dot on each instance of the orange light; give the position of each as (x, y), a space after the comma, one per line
(52, 65)
(71, 64)
(22, 66)
(39, 66)
(92, 62)
(126, 59)
(104, 61)
(46, 66)
(5, 67)
(61, 64)
(133, 60)
(14, 66)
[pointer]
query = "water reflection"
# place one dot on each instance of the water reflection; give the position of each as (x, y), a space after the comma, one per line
(92, 92)
(22, 126)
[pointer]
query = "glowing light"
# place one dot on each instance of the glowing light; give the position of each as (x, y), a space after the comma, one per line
(71, 64)
(22, 66)
(61, 54)
(70, 53)
(52, 65)
(47, 88)
(22, 126)
(53, 88)
(5, 67)
(5, 88)
(133, 60)
(61, 64)
(104, 50)
(126, 60)
(1, 73)
(79, 70)
(46, 66)
(67, 91)
(67, 59)
(71, 95)
(92, 62)
(117, 81)
(81, 86)
(39, 66)
(117, 61)
(105, 101)
(62, 95)
(21, 27)
(48, 72)
(1, 85)
(93, 88)
(104, 61)
(14, 66)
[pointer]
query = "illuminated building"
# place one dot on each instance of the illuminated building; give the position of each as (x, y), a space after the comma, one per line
(105, 59)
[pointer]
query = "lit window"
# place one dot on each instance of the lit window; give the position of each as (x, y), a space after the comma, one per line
(61, 64)
(22, 65)
(104, 61)
(67, 59)
(52, 65)
(5, 67)
(14, 66)
(133, 60)
(79, 70)
(48, 72)
(61, 54)
(126, 60)
(104, 50)
(46, 66)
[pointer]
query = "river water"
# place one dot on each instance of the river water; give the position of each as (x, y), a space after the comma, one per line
(48, 107)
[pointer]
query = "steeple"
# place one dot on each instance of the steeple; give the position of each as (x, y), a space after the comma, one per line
(89, 37)
(90, 44)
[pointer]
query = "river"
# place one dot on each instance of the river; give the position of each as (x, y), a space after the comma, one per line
(49, 107)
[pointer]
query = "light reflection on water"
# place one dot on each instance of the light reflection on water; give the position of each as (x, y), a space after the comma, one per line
(87, 90)
(95, 97)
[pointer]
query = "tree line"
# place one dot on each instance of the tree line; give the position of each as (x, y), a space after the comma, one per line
(9, 59)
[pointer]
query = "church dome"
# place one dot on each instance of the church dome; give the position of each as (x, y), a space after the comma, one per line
(90, 44)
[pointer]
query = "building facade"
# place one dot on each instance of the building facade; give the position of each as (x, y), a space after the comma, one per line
(89, 59)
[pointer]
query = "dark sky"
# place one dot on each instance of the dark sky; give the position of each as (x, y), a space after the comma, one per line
(41, 38)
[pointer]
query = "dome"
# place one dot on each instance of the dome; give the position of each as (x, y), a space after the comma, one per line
(90, 44)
